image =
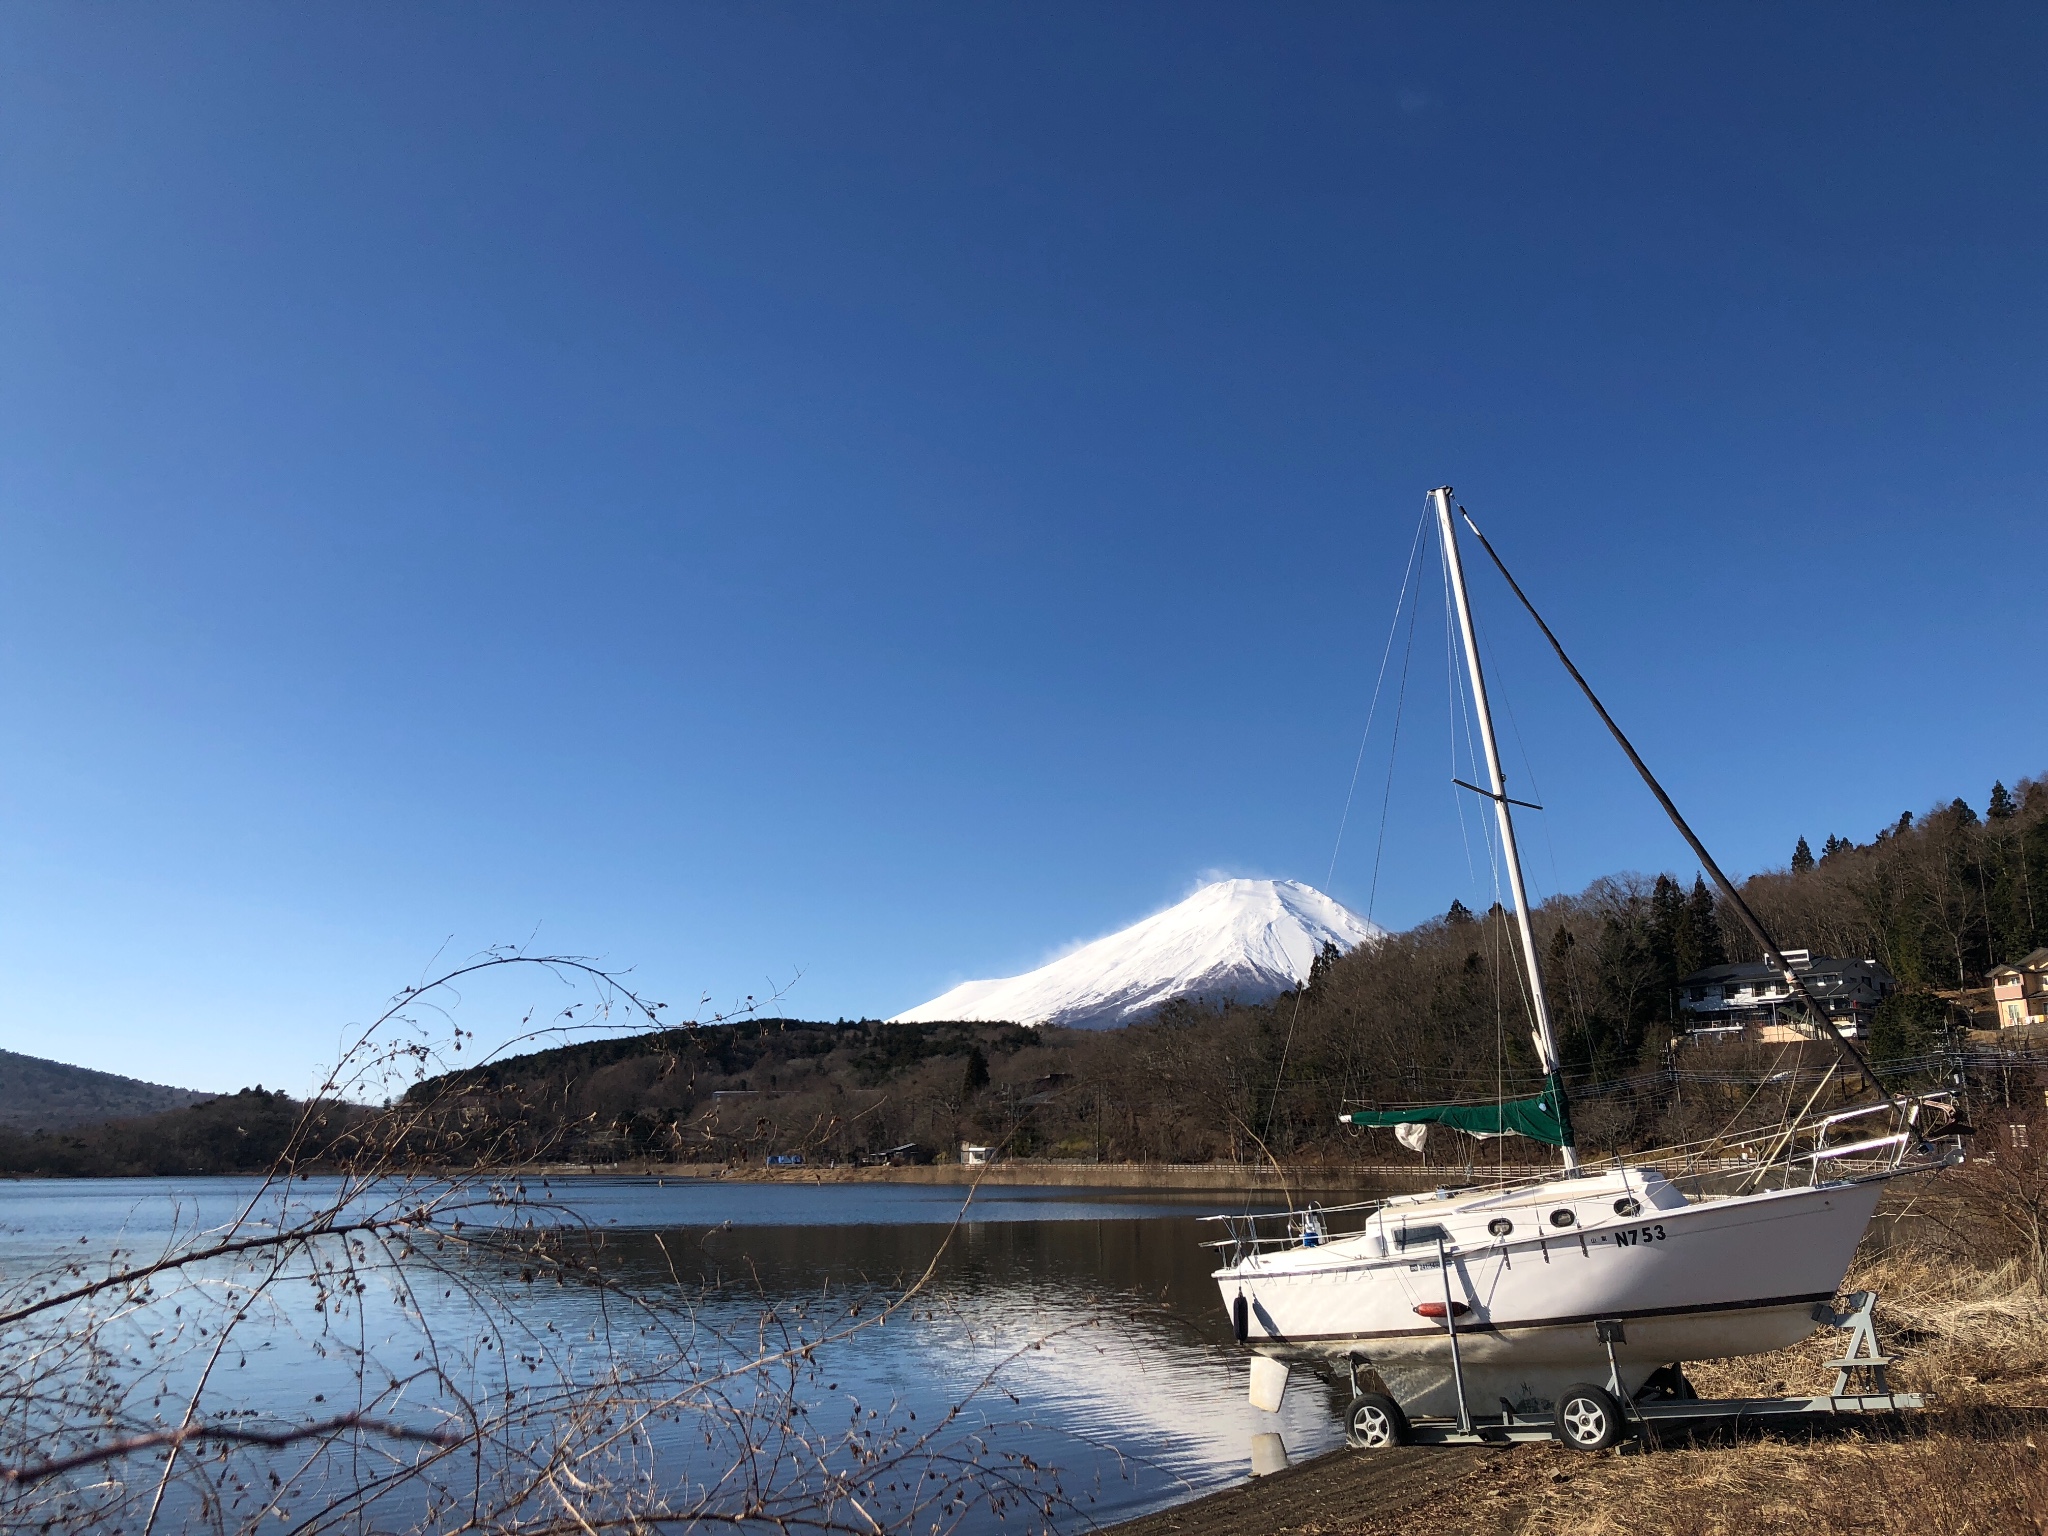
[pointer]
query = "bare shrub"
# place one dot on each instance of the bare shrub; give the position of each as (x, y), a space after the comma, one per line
(390, 1297)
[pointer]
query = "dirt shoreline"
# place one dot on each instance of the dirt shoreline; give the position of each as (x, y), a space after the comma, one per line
(1942, 1475)
(1334, 1491)
(1361, 1179)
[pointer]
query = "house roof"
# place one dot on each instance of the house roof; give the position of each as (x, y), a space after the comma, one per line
(1758, 970)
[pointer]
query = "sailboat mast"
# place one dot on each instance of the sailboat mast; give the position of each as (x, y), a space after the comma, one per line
(1546, 1042)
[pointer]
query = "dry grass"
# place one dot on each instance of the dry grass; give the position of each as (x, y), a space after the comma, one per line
(1945, 1482)
(1967, 1336)
(1973, 1337)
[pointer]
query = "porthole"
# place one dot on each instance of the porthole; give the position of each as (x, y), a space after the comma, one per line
(1500, 1226)
(1628, 1205)
(1563, 1217)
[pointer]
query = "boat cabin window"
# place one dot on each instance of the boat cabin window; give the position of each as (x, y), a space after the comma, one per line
(1500, 1226)
(1411, 1237)
(1628, 1205)
(1563, 1216)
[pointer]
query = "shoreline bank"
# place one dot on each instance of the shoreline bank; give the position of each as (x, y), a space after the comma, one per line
(1363, 1179)
(1323, 1493)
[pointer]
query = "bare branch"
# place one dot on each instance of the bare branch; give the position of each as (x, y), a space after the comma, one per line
(228, 1434)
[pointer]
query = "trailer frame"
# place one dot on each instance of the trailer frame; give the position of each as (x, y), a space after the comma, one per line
(1860, 1390)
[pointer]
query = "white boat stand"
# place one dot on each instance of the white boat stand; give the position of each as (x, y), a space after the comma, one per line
(1861, 1359)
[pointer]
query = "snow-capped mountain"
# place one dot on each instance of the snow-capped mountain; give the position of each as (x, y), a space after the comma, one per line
(1242, 939)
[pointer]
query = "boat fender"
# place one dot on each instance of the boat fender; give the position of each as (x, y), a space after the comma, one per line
(1269, 1382)
(1241, 1318)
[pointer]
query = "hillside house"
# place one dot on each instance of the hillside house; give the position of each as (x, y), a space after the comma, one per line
(2019, 991)
(1724, 1001)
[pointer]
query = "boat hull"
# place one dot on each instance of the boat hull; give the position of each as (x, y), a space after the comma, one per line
(1703, 1281)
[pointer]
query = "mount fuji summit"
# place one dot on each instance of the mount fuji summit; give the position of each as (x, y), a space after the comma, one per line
(1242, 940)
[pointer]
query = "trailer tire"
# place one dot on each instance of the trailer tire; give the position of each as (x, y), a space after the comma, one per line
(1374, 1422)
(1588, 1417)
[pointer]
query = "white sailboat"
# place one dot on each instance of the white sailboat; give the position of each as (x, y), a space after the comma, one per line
(1521, 1299)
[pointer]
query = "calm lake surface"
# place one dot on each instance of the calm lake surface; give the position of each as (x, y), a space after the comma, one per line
(1113, 1356)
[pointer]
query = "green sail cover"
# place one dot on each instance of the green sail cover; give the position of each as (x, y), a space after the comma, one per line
(1536, 1118)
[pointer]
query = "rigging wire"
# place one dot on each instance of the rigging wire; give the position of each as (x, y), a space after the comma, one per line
(1379, 681)
(1499, 674)
(1456, 1085)
(1500, 1046)
(1500, 944)
(1372, 895)
(1455, 695)
(1499, 692)
(1732, 896)
(1294, 1018)
(1535, 789)
(1570, 980)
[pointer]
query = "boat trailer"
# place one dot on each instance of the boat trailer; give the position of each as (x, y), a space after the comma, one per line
(1592, 1416)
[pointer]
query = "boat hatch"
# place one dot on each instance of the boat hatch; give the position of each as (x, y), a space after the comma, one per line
(1409, 1237)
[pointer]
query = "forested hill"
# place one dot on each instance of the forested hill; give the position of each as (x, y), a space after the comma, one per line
(1939, 899)
(49, 1095)
(1434, 1013)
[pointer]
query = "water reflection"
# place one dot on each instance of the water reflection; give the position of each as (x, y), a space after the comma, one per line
(1080, 1328)
(1095, 1344)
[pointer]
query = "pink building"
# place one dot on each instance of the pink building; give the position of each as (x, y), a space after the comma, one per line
(2020, 991)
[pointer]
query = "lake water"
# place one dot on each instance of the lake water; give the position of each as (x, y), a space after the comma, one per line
(1080, 1326)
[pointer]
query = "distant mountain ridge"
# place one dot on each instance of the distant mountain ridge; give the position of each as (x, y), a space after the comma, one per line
(1234, 941)
(41, 1095)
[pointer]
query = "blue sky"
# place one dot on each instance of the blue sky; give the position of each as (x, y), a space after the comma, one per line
(884, 492)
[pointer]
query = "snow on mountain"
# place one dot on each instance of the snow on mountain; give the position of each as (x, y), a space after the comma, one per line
(1242, 939)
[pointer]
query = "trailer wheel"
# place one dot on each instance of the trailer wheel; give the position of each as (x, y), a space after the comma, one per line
(1588, 1417)
(1374, 1422)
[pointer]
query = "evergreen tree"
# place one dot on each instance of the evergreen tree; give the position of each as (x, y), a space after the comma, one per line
(1802, 858)
(1459, 913)
(1960, 809)
(1629, 994)
(976, 1077)
(1670, 932)
(2033, 881)
(1703, 928)
(1319, 968)
(1908, 1023)
(2010, 907)
(1579, 1024)
(1559, 976)
(1833, 846)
